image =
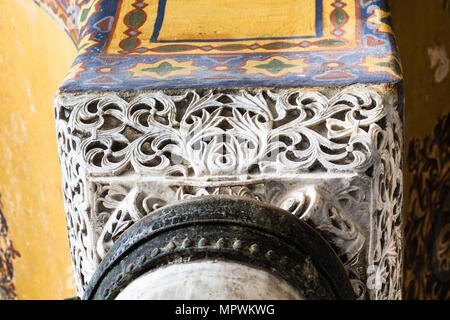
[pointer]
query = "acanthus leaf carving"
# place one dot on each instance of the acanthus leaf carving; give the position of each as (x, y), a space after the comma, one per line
(200, 142)
(227, 134)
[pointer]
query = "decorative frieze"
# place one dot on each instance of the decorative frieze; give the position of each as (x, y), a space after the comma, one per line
(203, 133)
(7, 255)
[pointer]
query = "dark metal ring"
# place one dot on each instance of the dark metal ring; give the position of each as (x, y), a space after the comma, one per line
(224, 228)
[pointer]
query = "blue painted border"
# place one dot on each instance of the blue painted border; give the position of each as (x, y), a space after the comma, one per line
(162, 9)
(159, 20)
(204, 77)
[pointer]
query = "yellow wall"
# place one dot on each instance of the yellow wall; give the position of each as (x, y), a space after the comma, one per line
(35, 55)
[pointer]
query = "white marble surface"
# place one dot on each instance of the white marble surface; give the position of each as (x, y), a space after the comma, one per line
(209, 280)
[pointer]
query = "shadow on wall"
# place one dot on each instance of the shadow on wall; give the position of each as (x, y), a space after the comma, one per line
(424, 43)
(427, 229)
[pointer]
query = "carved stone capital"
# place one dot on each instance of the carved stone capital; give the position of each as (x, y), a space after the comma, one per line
(331, 156)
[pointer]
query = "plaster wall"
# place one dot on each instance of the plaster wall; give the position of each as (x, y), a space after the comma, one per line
(35, 55)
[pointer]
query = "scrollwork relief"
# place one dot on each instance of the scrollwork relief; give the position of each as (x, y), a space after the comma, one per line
(311, 206)
(123, 156)
(329, 219)
(204, 133)
(120, 207)
(385, 254)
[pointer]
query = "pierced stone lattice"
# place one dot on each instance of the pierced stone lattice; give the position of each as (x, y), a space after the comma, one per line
(125, 155)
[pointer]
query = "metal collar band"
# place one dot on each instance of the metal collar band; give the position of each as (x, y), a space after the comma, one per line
(224, 228)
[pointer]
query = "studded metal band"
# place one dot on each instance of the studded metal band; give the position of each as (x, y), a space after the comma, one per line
(224, 228)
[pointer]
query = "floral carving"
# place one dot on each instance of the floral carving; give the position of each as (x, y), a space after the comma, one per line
(125, 155)
(220, 134)
(329, 219)
(121, 207)
(385, 255)
(310, 205)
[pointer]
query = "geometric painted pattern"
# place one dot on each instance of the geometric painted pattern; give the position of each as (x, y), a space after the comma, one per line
(169, 44)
